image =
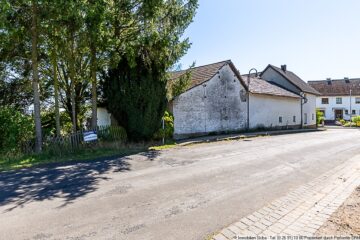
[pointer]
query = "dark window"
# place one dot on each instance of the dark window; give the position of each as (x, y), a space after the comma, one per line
(324, 100)
(338, 100)
(357, 100)
(280, 119)
(294, 118)
(346, 111)
(353, 112)
(312, 116)
(305, 118)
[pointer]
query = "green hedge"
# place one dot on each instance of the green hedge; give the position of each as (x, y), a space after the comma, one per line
(15, 130)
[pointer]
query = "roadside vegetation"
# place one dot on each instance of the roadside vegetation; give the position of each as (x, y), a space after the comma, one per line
(319, 118)
(61, 60)
(355, 122)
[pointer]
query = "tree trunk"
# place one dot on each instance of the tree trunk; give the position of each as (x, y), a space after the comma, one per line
(73, 84)
(56, 93)
(35, 83)
(93, 85)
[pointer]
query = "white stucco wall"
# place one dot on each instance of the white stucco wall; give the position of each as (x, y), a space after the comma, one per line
(103, 117)
(265, 111)
(214, 106)
(329, 108)
(309, 110)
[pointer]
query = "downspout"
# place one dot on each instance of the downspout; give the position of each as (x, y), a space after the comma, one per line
(248, 105)
(248, 96)
(302, 102)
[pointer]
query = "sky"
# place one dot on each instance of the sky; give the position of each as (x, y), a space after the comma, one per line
(316, 39)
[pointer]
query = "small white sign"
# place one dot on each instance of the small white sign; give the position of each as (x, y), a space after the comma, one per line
(90, 136)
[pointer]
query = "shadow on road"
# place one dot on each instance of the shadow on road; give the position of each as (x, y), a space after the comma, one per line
(64, 181)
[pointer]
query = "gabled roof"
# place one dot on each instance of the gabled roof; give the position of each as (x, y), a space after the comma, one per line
(261, 86)
(204, 73)
(294, 79)
(337, 87)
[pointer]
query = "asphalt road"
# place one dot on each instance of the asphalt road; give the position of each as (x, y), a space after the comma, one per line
(182, 193)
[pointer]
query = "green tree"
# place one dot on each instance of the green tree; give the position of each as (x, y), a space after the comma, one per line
(95, 21)
(135, 90)
(20, 41)
(178, 85)
(35, 73)
(137, 98)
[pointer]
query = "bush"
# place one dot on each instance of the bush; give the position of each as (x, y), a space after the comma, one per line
(356, 121)
(15, 130)
(169, 127)
(342, 121)
(112, 133)
(319, 117)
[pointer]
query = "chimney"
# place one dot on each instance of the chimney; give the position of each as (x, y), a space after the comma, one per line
(283, 67)
(328, 81)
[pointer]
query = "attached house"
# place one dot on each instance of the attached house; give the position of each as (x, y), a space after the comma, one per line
(339, 99)
(271, 106)
(291, 82)
(220, 100)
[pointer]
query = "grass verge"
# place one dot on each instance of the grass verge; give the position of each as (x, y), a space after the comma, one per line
(85, 154)
(44, 158)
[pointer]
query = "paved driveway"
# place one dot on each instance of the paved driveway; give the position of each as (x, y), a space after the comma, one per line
(183, 193)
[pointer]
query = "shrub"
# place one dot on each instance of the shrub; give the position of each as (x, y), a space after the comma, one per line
(356, 121)
(169, 127)
(15, 130)
(342, 121)
(112, 133)
(319, 117)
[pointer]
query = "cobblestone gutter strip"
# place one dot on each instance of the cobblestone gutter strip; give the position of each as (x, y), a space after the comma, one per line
(302, 211)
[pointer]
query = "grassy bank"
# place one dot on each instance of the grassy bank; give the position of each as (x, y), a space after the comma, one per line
(85, 154)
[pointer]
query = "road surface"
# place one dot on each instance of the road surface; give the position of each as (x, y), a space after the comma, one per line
(181, 193)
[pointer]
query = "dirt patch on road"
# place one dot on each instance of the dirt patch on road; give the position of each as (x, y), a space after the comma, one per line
(346, 220)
